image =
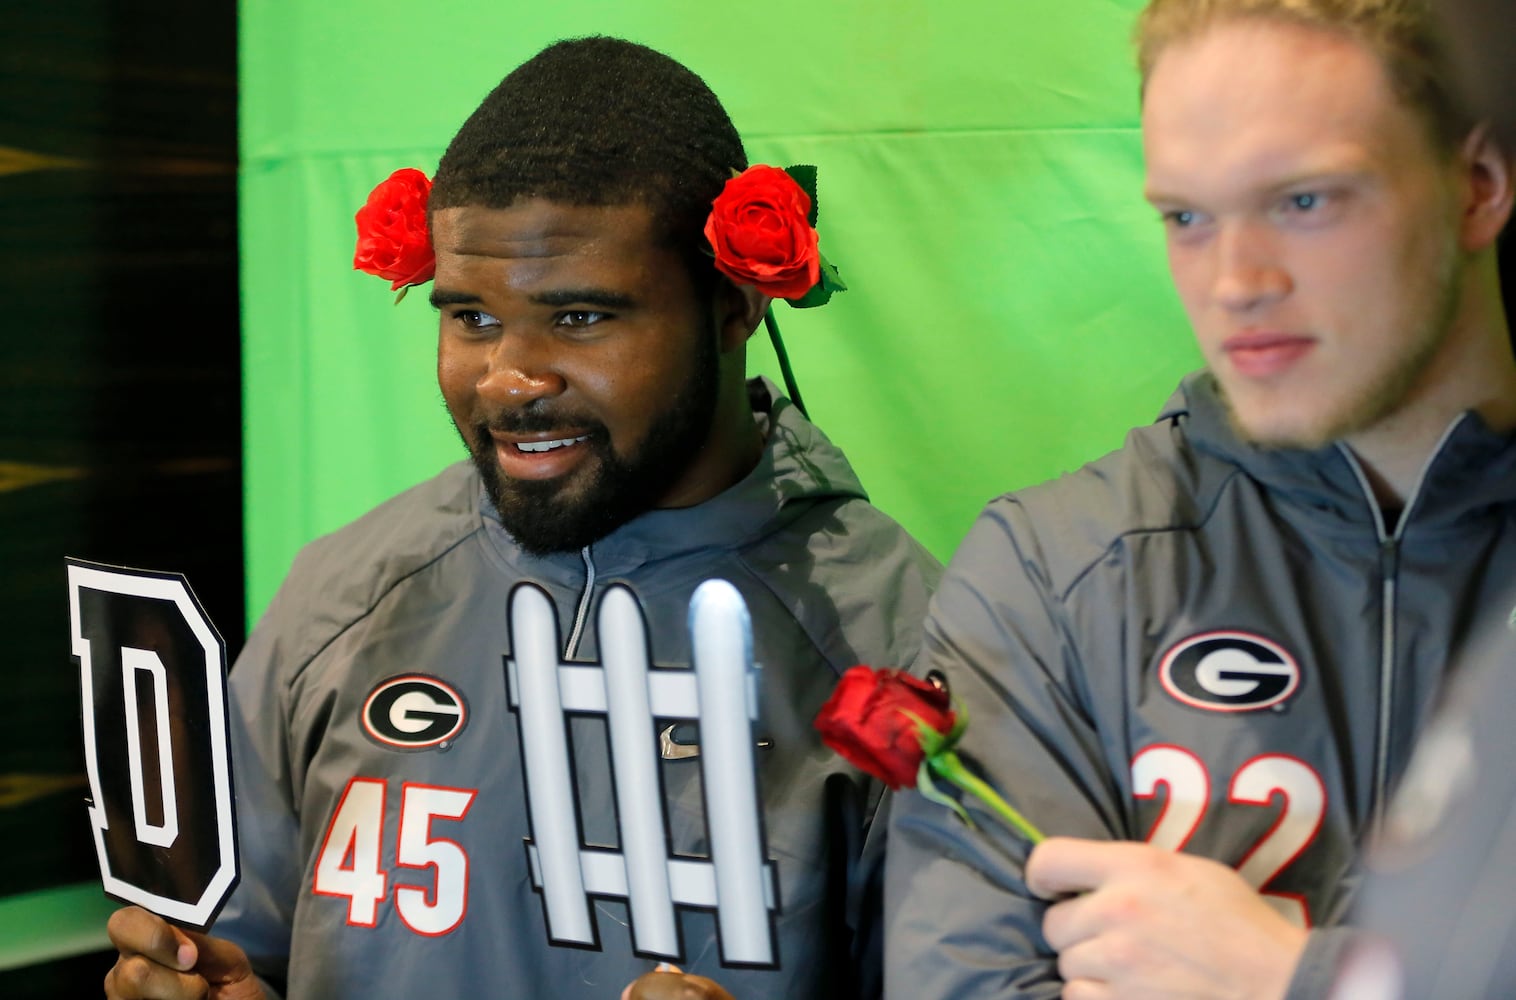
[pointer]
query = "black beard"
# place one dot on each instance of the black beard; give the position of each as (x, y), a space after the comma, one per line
(551, 515)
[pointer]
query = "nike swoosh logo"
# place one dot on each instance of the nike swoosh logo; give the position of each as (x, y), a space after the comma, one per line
(672, 750)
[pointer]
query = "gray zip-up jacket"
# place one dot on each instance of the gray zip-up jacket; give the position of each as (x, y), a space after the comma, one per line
(386, 823)
(1440, 877)
(1201, 643)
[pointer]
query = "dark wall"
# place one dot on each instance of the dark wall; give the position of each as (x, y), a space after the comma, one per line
(120, 414)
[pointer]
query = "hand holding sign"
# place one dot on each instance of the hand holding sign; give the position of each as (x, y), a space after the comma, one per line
(158, 961)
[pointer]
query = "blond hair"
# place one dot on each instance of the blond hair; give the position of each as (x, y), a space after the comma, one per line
(1404, 34)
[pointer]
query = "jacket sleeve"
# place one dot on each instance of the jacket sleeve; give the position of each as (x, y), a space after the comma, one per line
(959, 919)
(260, 913)
(884, 628)
(1325, 949)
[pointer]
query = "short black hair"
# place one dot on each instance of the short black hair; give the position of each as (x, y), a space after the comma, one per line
(599, 121)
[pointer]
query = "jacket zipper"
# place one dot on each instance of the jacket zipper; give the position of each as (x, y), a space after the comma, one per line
(1389, 567)
(1389, 551)
(571, 648)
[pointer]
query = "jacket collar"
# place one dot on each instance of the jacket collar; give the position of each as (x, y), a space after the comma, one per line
(1472, 471)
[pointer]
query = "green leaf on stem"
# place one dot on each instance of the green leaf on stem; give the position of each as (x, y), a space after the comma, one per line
(932, 741)
(929, 791)
(821, 292)
(947, 764)
(960, 723)
(804, 174)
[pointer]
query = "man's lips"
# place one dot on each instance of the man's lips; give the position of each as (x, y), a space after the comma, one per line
(541, 455)
(1263, 354)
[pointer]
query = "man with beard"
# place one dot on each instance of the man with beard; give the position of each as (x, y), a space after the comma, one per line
(1199, 664)
(406, 803)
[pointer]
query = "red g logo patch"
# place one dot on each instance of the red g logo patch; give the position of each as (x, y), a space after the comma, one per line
(1229, 672)
(413, 712)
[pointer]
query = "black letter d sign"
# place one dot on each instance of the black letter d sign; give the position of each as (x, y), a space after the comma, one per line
(152, 672)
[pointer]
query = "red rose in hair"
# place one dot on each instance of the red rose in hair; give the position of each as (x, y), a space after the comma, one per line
(869, 721)
(759, 230)
(393, 242)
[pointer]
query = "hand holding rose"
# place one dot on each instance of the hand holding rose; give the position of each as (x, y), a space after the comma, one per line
(1149, 922)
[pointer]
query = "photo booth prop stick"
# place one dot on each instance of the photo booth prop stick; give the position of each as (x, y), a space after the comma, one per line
(152, 672)
(737, 881)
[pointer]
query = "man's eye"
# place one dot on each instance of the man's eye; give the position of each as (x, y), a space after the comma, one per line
(580, 317)
(474, 319)
(1313, 208)
(1180, 218)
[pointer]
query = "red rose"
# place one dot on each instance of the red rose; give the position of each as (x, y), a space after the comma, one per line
(868, 721)
(393, 242)
(759, 231)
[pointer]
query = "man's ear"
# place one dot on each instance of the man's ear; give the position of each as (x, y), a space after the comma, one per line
(1489, 172)
(741, 309)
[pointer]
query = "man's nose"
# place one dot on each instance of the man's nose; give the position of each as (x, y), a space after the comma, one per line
(1248, 269)
(521, 369)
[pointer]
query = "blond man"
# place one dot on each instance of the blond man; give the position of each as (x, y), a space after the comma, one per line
(1201, 662)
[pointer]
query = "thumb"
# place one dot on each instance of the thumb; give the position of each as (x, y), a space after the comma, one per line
(1065, 865)
(220, 961)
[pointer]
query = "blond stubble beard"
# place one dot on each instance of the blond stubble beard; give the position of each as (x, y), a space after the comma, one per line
(1385, 397)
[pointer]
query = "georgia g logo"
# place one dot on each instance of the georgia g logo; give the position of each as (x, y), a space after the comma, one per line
(1229, 672)
(413, 712)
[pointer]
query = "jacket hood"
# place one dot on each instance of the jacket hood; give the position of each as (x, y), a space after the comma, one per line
(798, 468)
(1472, 471)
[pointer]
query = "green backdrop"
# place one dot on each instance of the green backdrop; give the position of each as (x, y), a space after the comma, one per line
(1010, 313)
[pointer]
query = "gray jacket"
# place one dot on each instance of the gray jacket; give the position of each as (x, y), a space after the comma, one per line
(1198, 642)
(1441, 876)
(388, 852)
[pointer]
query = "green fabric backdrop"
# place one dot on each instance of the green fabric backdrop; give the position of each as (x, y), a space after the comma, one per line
(1010, 314)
